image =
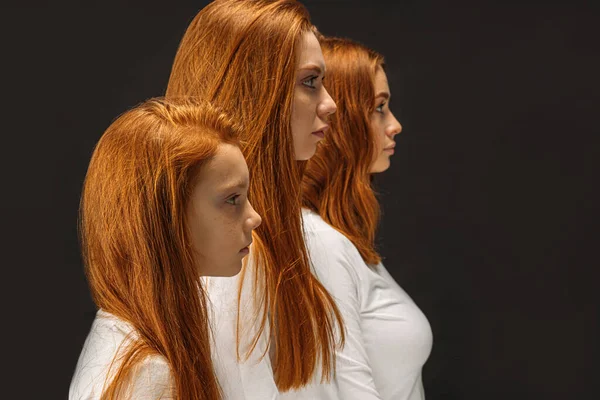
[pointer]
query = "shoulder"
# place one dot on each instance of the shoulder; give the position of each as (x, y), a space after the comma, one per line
(108, 335)
(332, 254)
(111, 325)
(318, 231)
(152, 379)
(107, 339)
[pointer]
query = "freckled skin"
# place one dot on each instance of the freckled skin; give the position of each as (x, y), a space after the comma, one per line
(311, 106)
(385, 126)
(220, 229)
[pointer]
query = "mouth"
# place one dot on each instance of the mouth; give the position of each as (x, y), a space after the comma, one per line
(246, 249)
(321, 132)
(390, 149)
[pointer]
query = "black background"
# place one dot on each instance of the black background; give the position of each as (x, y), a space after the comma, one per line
(490, 206)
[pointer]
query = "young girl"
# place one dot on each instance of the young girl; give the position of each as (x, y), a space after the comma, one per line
(388, 338)
(261, 61)
(164, 202)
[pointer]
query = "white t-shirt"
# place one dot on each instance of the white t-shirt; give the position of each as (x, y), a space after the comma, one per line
(388, 339)
(251, 379)
(246, 380)
(107, 335)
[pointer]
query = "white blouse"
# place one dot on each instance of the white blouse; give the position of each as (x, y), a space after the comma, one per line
(388, 339)
(249, 380)
(240, 380)
(107, 335)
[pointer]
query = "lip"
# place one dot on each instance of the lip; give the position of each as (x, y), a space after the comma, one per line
(321, 132)
(246, 249)
(390, 148)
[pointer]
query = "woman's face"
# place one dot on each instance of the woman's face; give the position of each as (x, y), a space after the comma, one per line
(312, 105)
(383, 123)
(219, 214)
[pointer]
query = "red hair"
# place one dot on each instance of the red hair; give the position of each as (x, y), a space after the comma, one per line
(136, 242)
(337, 179)
(241, 55)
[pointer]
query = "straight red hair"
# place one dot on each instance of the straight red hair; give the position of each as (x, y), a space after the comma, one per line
(337, 179)
(136, 243)
(242, 55)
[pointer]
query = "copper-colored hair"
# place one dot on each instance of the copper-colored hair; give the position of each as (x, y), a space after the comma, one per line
(242, 56)
(136, 242)
(337, 180)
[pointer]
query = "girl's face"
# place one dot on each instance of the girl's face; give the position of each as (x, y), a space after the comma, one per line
(312, 105)
(220, 218)
(383, 123)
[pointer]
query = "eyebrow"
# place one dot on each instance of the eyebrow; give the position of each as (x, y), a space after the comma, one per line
(314, 67)
(235, 185)
(385, 95)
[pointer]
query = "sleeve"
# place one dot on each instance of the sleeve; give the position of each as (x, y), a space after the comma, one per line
(337, 264)
(152, 380)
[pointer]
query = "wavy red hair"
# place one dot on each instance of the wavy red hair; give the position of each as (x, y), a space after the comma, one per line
(242, 55)
(337, 179)
(136, 242)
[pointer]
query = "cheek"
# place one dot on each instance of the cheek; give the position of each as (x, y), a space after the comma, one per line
(378, 135)
(210, 232)
(303, 110)
(198, 227)
(221, 233)
(382, 137)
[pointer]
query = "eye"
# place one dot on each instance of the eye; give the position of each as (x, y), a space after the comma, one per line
(379, 108)
(233, 200)
(310, 82)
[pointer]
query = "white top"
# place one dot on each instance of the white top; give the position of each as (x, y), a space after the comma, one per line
(152, 378)
(388, 339)
(245, 380)
(249, 380)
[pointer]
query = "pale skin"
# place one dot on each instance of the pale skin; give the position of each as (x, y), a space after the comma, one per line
(312, 104)
(384, 124)
(219, 215)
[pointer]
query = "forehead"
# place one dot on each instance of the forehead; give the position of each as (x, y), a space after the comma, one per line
(310, 51)
(227, 168)
(380, 81)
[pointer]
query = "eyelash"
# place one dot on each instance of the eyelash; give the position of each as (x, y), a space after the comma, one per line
(234, 198)
(310, 79)
(380, 106)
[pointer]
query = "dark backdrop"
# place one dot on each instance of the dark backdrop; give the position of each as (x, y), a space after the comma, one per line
(489, 206)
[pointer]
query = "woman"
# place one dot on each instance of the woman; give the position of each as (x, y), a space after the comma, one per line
(388, 338)
(261, 61)
(164, 202)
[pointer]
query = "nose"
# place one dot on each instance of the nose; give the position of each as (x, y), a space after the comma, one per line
(394, 127)
(327, 106)
(254, 219)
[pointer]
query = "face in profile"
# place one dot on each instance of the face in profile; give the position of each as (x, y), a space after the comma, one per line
(219, 215)
(312, 105)
(383, 123)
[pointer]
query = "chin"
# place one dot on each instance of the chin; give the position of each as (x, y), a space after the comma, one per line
(304, 157)
(224, 272)
(234, 271)
(380, 167)
(305, 154)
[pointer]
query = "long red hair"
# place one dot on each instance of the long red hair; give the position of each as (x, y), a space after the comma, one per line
(337, 179)
(241, 55)
(135, 240)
